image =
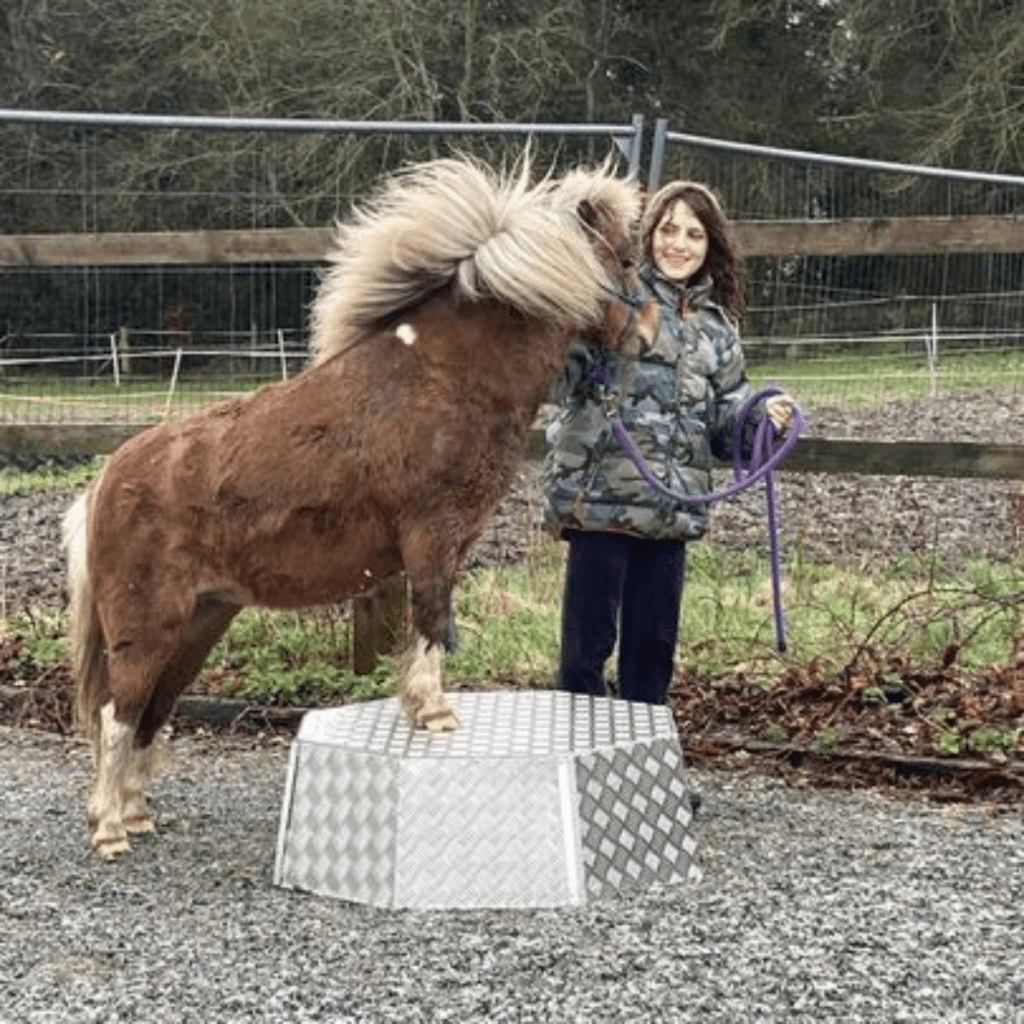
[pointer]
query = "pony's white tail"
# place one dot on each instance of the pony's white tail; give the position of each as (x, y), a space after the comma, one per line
(89, 663)
(455, 222)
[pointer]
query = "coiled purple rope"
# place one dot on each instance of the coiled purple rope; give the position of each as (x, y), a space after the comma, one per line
(765, 458)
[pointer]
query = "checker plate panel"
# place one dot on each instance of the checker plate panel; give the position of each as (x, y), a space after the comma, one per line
(541, 798)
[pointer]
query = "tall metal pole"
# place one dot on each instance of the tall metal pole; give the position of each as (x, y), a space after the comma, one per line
(657, 154)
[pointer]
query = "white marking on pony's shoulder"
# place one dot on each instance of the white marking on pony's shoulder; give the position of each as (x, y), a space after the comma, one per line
(407, 333)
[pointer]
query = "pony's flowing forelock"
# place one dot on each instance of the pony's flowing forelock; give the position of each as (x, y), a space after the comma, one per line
(488, 235)
(601, 187)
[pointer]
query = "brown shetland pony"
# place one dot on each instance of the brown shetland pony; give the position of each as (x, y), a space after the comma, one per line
(447, 311)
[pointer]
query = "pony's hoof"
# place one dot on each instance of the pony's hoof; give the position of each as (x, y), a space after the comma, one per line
(112, 847)
(139, 825)
(442, 720)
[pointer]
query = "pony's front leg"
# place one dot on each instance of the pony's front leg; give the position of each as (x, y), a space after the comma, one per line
(430, 568)
(422, 696)
(109, 836)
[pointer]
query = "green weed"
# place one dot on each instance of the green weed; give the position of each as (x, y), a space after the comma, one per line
(509, 621)
(916, 609)
(988, 741)
(293, 658)
(48, 479)
(874, 378)
(826, 740)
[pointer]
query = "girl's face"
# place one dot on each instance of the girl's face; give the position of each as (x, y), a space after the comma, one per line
(680, 243)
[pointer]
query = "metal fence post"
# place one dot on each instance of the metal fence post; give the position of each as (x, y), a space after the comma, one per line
(657, 154)
(637, 145)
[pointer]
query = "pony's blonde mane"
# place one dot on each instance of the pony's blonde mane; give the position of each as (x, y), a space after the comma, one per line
(455, 222)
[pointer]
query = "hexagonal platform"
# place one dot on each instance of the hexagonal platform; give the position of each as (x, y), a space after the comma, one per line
(541, 799)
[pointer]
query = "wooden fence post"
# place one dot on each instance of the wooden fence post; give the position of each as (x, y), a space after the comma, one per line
(378, 623)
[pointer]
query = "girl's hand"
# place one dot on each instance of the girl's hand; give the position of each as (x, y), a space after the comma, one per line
(780, 411)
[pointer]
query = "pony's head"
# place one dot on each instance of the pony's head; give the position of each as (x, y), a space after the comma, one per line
(608, 208)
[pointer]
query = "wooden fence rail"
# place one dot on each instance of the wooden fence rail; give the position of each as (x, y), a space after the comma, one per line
(960, 459)
(851, 237)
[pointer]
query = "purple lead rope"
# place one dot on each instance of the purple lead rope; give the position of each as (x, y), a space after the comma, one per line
(765, 458)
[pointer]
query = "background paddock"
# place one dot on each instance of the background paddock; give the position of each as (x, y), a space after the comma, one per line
(887, 296)
(869, 282)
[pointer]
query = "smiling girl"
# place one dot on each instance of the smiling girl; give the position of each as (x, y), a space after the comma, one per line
(679, 399)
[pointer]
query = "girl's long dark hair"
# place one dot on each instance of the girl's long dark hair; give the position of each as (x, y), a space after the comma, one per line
(722, 262)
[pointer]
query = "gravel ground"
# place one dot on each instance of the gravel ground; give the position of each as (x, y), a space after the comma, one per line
(815, 906)
(872, 519)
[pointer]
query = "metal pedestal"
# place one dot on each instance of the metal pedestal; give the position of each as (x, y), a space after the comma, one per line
(540, 799)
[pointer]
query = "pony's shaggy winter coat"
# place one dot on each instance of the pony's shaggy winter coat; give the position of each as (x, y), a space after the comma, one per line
(447, 311)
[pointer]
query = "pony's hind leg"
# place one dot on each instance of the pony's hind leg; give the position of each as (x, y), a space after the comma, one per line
(146, 674)
(210, 619)
(135, 811)
(114, 752)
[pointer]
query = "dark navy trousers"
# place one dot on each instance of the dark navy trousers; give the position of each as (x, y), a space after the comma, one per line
(630, 587)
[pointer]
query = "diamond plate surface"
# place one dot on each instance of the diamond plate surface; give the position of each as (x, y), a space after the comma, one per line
(635, 817)
(483, 833)
(340, 834)
(541, 798)
(509, 723)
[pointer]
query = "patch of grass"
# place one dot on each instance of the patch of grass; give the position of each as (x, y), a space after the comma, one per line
(68, 398)
(949, 739)
(48, 650)
(826, 740)
(509, 624)
(509, 620)
(916, 609)
(43, 631)
(49, 478)
(986, 741)
(872, 377)
(291, 658)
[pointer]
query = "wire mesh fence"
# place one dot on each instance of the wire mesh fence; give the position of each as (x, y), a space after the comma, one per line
(63, 172)
(94, 332)
(134, 344)
(867, 283)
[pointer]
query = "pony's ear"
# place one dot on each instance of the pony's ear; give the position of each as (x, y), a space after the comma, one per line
(587, 213)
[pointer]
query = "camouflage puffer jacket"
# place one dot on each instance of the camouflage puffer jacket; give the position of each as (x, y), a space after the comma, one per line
(678, 400)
